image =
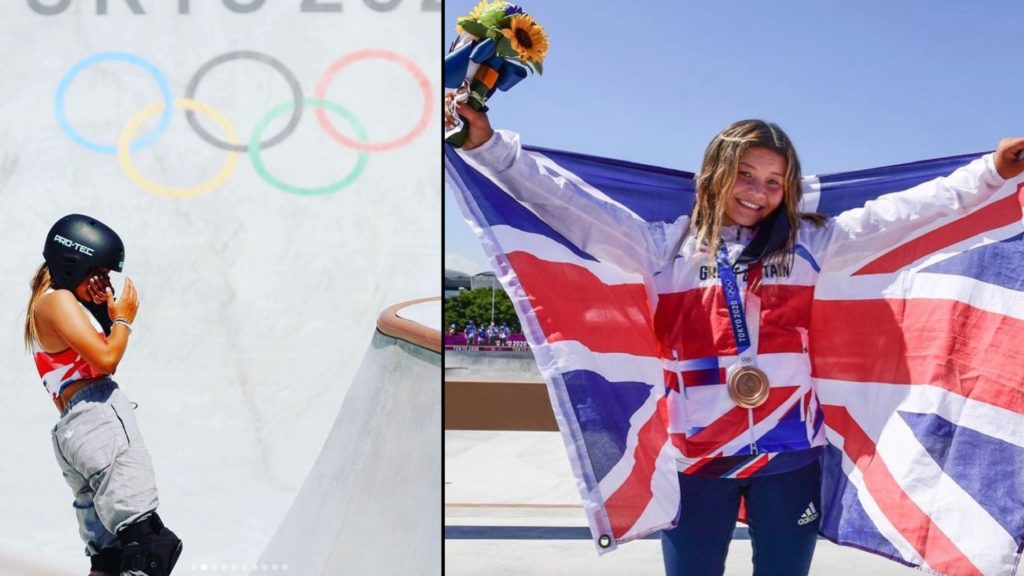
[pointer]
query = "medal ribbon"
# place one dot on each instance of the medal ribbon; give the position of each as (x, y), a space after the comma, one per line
(746, 339)
(745, 324)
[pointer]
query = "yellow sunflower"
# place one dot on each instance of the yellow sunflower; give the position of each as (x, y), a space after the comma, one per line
(474, 15)
(527, 37)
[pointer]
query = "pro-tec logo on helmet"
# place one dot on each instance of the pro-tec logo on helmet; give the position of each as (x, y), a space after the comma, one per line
(72, 244)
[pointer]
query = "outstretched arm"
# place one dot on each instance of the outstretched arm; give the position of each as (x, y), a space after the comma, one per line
(892, 218)
(594, 222)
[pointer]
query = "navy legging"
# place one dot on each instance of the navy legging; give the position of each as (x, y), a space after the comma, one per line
(783, 532)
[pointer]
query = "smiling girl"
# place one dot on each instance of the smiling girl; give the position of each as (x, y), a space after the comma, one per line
(731, 290)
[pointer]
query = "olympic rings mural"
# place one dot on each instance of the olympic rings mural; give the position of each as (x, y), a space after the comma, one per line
(228, 140)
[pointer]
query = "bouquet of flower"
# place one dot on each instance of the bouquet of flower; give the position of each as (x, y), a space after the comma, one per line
(498, 45)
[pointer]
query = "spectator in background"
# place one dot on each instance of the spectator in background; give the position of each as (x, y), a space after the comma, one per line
(503, 332)
(471, 333)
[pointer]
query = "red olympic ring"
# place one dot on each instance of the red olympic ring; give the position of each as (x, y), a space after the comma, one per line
(421, 79)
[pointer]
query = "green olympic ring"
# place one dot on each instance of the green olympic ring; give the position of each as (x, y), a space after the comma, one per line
(257, 135)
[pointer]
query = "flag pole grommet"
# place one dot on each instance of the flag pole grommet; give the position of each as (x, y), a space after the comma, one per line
(605, 541)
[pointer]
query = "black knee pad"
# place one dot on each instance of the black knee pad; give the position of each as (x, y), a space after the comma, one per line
(149, 547)
(107, 561)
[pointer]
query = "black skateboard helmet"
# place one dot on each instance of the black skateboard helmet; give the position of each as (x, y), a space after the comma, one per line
(77, 244)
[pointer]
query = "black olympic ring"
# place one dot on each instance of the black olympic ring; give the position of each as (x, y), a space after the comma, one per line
(293, 84)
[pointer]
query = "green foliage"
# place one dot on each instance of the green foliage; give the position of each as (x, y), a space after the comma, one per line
(476, 305)
(492, 14)
(505, 49)
(473, 27)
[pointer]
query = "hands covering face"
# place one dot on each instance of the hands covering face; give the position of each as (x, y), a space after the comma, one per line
(98, 285)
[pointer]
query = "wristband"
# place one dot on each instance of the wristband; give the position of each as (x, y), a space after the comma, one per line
(126, 323)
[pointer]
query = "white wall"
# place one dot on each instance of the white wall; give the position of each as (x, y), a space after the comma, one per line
(256, 303)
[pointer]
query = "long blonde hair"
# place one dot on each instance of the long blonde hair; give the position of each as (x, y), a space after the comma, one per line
(718, 175)
(40, 283)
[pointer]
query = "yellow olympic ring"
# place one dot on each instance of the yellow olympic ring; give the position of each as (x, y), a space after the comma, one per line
(124, 143)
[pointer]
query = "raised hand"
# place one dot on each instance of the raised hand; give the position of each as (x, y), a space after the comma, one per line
(480, 130)
(1009, 157)
(98, 286)
(126, 306)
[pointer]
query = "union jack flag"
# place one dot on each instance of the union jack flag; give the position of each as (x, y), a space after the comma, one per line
(914, 346)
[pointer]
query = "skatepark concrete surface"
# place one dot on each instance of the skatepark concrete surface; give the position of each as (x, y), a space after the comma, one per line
(259, 290)
(369, 505)
(501, 487)
(513, 366)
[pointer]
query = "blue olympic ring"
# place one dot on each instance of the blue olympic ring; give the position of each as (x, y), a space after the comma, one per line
(165, 90)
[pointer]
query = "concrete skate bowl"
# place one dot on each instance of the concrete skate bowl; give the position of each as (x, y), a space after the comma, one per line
(370, 502)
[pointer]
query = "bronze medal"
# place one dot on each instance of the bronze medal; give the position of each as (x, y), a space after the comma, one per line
(748, 386)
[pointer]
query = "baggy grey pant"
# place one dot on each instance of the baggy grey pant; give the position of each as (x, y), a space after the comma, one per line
(101, 452)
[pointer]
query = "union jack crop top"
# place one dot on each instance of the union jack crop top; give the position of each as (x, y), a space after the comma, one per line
(59, 369)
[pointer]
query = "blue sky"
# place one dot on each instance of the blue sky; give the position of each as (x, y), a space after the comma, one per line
(854, 84)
